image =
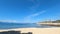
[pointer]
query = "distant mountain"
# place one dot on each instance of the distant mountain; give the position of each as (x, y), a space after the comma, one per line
(57, 21)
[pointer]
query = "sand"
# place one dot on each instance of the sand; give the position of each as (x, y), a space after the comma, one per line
(37, 30)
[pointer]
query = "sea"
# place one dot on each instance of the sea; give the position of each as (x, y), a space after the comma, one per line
(6, 25)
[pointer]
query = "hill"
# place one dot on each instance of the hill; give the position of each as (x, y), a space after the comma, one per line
(56, 21)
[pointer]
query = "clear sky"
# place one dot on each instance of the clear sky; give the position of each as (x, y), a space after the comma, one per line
(28, 11)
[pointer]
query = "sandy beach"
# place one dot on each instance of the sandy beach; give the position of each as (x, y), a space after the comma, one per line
(36, 30)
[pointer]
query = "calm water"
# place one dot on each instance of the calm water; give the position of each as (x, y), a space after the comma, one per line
(21, 25)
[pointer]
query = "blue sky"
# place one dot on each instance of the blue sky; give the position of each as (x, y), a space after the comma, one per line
(29, 11)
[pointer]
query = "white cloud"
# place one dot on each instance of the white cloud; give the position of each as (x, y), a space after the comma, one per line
(34, 1)
(31, 0)
(29, 17)
(36, 14)
(35, 5)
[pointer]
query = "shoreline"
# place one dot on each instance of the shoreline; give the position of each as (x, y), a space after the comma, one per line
(49, 24)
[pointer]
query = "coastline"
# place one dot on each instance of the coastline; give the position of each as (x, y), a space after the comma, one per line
(50, 24)
(37, 30)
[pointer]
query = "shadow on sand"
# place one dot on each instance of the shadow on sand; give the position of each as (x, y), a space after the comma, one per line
(14, 32)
